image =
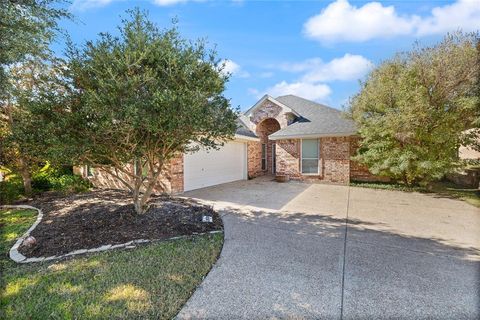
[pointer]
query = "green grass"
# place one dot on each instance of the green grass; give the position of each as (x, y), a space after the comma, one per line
(149, 282)
(449, 189)
(386, 186)
(446, 189)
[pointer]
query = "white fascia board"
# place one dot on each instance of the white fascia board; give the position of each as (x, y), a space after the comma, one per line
(312, 136)
(239, 137)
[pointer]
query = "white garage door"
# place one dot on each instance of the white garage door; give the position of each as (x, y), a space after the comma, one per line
(208, 168)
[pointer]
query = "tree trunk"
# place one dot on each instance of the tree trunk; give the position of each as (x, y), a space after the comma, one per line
(140, 200)
(26, 176)
(137, 203)
(27, 182)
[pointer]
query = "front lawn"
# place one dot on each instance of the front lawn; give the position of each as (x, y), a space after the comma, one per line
(443, 188)
(148, 282)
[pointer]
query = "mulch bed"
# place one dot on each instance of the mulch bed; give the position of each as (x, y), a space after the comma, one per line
(93, 219)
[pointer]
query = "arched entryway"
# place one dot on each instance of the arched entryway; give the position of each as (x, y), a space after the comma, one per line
(263, 130)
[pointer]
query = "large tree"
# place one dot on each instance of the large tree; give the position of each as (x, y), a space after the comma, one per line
(27, 28)
(143, 97)
(411, 110)
(26, 140)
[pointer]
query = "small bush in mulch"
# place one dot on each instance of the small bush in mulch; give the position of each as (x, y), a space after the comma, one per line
(93, 219)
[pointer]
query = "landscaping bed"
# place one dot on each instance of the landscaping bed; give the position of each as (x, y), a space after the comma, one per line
(151, 281)
(92, 219)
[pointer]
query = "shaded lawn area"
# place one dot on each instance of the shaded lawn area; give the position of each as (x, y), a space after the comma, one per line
(443, 188)
(149, 282)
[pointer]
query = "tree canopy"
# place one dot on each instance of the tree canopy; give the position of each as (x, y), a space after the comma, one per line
(412, 110)
(145, 97)
(27, 28)
(25, 139)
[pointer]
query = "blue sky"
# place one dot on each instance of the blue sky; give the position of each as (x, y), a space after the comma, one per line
(315, 49)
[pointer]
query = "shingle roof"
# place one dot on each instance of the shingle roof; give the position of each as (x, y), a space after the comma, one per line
(316, 119)
(243, 130)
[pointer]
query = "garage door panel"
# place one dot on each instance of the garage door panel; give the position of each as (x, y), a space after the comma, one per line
(207, 168)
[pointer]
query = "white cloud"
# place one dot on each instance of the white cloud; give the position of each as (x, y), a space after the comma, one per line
(341, 21)
(464, 14)
(303, 89)
(234, 68)
(230, 66)
(348, 67)
(314, 74)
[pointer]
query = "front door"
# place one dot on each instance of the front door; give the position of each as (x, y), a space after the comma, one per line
(274, 159)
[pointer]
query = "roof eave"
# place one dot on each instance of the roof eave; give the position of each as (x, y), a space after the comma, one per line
(240, 137)
(311, 136)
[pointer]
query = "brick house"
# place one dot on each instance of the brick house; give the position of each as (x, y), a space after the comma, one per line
(288, 135)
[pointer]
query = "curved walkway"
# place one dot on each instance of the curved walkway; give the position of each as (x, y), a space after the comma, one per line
(301, 250)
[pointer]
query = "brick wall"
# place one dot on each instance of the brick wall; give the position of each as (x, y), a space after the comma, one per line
(263, 130)
(270, 110)
(335, 165)
(288, 158)
(171, 181)
(254, 159)
(335, 159)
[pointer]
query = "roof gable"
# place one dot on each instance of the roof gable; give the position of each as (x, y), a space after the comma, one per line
(265, 98)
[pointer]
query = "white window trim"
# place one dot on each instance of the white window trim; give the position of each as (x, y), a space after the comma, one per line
(274, 150)
(318, 159)
(266, 157)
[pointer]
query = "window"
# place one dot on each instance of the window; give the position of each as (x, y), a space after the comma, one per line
(89, 171)
(310, 156)
(264, 156)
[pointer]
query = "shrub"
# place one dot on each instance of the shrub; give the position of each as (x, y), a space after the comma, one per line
(46, 179)
(11, 190)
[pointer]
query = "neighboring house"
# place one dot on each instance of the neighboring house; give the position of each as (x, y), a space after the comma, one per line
(287, 135)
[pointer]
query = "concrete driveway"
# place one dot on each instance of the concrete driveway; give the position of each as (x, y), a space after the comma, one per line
(299, 250)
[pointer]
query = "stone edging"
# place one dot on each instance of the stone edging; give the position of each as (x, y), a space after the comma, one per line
(16, 256)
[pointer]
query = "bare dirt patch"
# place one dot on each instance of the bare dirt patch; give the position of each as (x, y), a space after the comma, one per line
(93, 219)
